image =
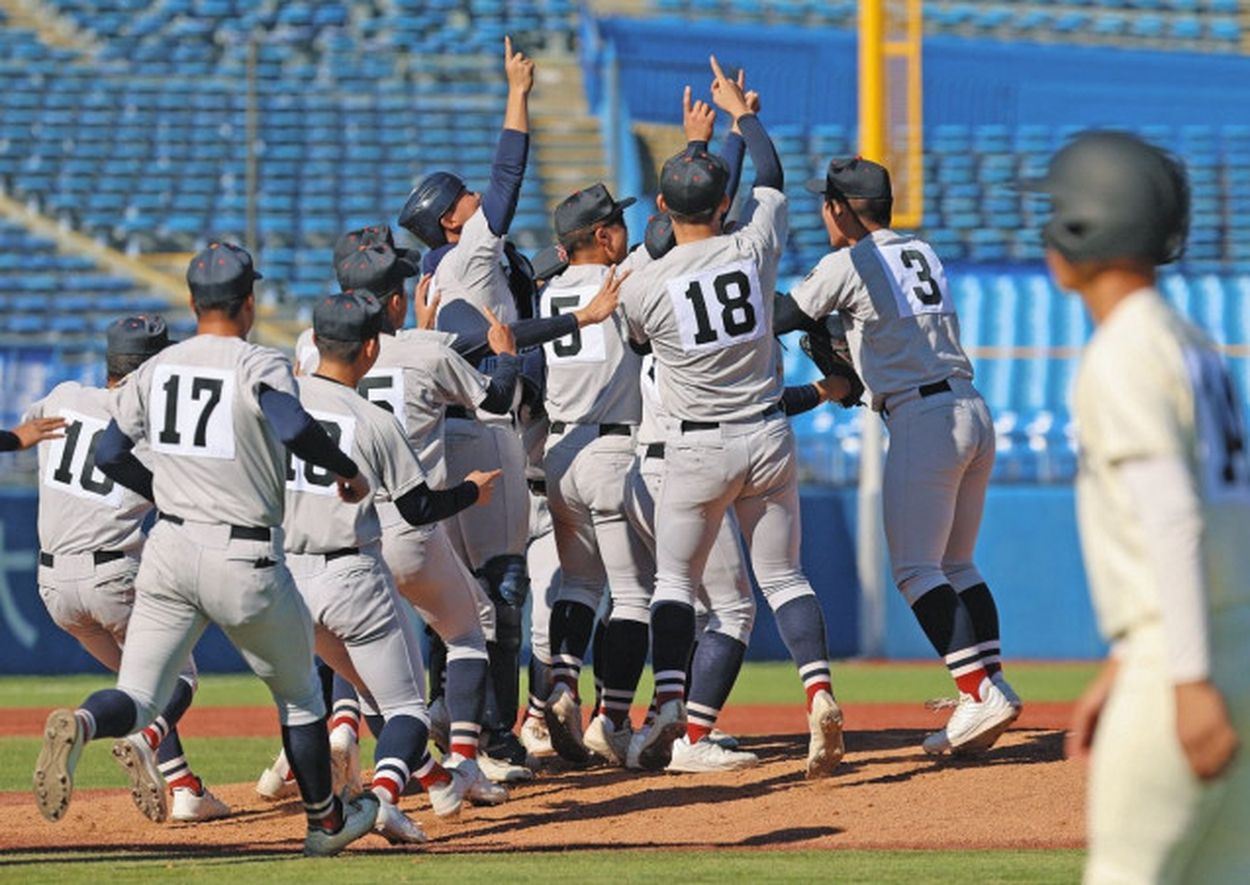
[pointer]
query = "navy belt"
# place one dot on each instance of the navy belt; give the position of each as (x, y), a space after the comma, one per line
(687, 426)
(458, 412)
(936, 387)
(340, 553)
(604, 429)
(655, 450)
(237, 532)
(99, 557)
(538, 487)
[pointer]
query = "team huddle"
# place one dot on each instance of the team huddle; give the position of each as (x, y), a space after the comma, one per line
(603, 434)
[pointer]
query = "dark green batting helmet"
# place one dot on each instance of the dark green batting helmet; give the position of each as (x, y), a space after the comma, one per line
(1114, 195)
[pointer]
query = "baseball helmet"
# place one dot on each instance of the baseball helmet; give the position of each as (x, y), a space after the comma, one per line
(1114, 195)
(427, 204)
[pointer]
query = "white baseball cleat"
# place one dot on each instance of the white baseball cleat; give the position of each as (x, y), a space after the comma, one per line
(635, 747)
(345, 760)
(189, 806)
(563, 716)
(725, 741)
(536, 740)
(603, 739)
(54, 770)
(440, 725)
(501, 771)
(147, 787)
(480, 790)
(656, 749)
(975, 726)
(396, 827)
(446, 799)
(1008, 692)
(359, 814)
(277, 782)
(825, 747)
(704, 755)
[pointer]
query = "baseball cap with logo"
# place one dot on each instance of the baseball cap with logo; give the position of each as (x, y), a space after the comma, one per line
(659, 238)
(221, 273)
(140, 335)
(588, 207)
(364, 237)
(852, 178)
(352, 315)
(378, 268)
(693, 181)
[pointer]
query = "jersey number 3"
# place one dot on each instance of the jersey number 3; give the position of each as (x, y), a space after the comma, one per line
(193, 411)
(719, 307)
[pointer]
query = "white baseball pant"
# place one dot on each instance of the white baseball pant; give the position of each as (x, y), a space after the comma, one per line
(543, 564)
(501, 527)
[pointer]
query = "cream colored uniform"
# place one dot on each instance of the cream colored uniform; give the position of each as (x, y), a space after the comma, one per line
(1150, 386)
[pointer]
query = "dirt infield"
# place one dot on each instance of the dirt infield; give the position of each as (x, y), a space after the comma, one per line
(887, 794)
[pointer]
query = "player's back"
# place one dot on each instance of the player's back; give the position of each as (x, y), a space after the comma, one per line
(80, 509)
(317, 520)
(901, 321)
(215, 457)
(706, 308)
(592, 375)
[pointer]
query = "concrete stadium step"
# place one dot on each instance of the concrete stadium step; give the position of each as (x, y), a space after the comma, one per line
(568, 143)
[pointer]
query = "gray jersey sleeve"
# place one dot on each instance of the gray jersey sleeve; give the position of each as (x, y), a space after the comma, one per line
(765, 222)
(456, 381)
(129, 402)
(397, 466)
(265, 367)
(829, 286)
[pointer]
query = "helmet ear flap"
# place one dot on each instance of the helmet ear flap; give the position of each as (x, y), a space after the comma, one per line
(1172, 246)
(425, 207)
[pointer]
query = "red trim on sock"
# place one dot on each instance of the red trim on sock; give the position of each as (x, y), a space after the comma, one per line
(435, 776)
(189, 782)
(152, 737)
(816, 688)
(468, 751)
(350, 720)
(387, 786)
(970, 683)
(696, 733)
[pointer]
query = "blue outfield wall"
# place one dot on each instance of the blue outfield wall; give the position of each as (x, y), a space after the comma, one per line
(809, 75)
(1027, 550)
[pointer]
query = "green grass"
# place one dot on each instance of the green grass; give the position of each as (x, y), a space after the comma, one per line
(759, 683)
(584, 866)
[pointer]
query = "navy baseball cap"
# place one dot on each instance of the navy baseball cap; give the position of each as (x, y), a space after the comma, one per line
(221, 273)
(851, 178)
(363, 237)
(588, 207)
(659, 237)
(353, 316)
(550, 262)
(378, 268)
(140, 335)
(693, 181)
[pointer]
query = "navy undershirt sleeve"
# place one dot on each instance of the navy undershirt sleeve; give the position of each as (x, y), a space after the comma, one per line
(502, 388)
(9, 441)
(800, 399)
(789, 317)
(767, 166)
(115, 459)
(424, 505)
(499, 201)
(300, 432)
(733, 151)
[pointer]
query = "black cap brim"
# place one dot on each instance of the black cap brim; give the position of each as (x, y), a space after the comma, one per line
(815, 186)
(409, 260)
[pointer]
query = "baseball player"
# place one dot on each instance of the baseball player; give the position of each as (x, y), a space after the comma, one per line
(90, 538)
(466, 234)
(594, 405)
(1163, 501)
(30, 433)
(215, 412)
(706, 308)
(334, 551)
(891, 292)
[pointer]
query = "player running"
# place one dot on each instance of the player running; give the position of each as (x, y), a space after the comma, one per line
(334, 552)
(216, 412)
(706, 308)
(90, 539)
(891, 292)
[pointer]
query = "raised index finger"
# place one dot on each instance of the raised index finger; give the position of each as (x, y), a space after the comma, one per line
(685, 101)
(490, 315)
(720, 75)
(507, 47)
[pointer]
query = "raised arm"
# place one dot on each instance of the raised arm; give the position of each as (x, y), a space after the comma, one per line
(731, 98)
(116, 460)
(499, 201)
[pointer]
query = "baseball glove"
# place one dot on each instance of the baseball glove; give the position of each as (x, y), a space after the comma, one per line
(833, 359)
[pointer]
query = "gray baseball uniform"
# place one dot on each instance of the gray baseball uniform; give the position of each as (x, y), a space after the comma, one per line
(900, 320)
(219, 471)
(334, 550)
(416, 376)
(594, 404)
(473, 270)
(90, 532)
(705, 309)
